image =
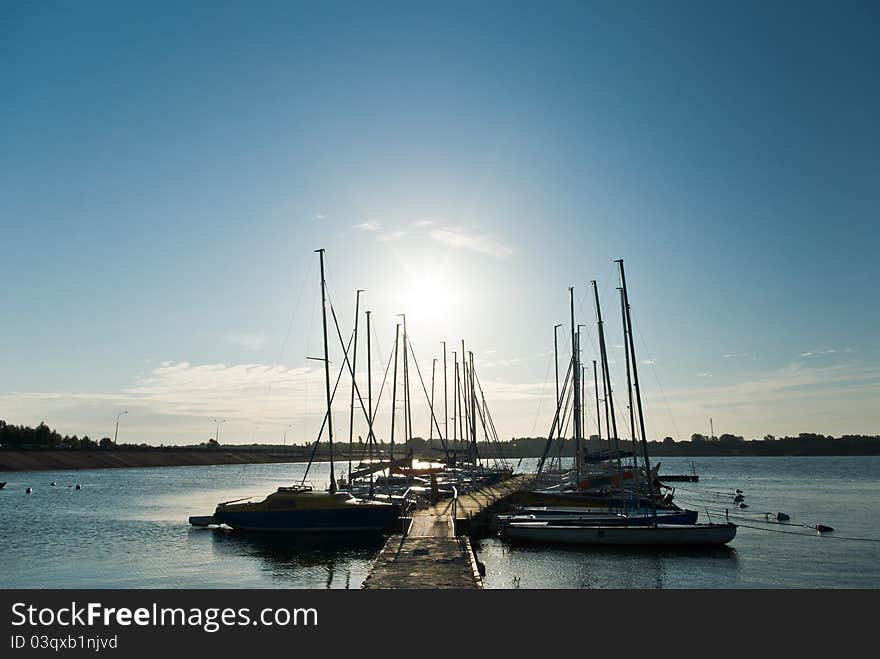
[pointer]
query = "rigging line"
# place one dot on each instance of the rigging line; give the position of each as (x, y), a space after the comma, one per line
(326, 414)
(488, 417)
(261, 416)
(808, 535)
(430, 407)
(657, 378)
(541, 397)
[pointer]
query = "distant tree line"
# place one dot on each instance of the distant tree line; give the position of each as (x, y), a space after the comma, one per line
(43, 437)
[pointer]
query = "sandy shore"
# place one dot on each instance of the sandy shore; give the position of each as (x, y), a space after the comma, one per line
(58, 460)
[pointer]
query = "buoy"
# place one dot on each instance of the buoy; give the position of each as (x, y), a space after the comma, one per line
(52, 483)
(739, 491)
(821, 528)
(29, 490)
(738, 498)
(782, 517)
(78, 486)
(743, 505)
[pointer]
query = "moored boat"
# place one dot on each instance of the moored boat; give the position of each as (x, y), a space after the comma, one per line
(588, 534)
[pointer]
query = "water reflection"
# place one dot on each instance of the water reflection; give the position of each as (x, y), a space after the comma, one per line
(295, 558)
(522, 565)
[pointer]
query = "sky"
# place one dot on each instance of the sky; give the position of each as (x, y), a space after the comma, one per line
(168, 169)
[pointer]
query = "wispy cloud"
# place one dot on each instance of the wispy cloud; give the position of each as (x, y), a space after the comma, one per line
(704, 375)
(247, 341)
(472, 240)
(317, 217)
(423, 224)
(736, 355)
(649, 362)
(812, 353)
(367, 226)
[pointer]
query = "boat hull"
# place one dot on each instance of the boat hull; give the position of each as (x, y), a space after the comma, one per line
(355, 519)
(664, 535)
(602, 518)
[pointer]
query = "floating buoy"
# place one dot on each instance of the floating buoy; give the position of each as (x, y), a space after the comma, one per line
(29, 490)
(739, 491)
(821, 528)
(782, 517)
(738, 498)
(78, 486)
(52, 483)
(743, 505)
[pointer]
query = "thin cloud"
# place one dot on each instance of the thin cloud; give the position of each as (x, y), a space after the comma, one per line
(471, 240)
(704, 375)
(367, 226)
(317, 217)
(812, 353)
(736, 355)
(247, 341)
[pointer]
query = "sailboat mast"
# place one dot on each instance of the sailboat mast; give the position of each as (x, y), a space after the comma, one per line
(455, 414)
(556, 364)
(327, 368)
(445, 403)
(394, 392)
(357, 312)
(635, 372)
(576, 374)
(371, 438)
(596, 389)
(632, 421)
(431, 419)
(473, 395)
(606, 376)
(407, 407)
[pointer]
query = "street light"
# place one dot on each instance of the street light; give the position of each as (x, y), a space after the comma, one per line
(116, 434)
(218, 422)
(285, 433)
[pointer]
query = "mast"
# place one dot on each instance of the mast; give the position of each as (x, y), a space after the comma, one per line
(394, 392)
(431, 419)
(635, 372)
(445, 404)
(576, 371)
(596, 388)
(407, 403)
(473, 395)
(371, 438)
(632, 422)
(606, 376)
(455, 413)
(327, 369)
(556, 364)
(353, 370)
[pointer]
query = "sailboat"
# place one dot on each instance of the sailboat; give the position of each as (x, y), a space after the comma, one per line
(648, 529)
(300, 508)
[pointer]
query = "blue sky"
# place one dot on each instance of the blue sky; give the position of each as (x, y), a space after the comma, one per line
(167, 170)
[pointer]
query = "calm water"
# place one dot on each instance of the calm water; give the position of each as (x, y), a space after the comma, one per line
(127, 528)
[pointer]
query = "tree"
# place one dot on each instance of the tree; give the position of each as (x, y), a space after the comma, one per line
(105, 442)
(212, 443)
(668, 441)
(697, 437)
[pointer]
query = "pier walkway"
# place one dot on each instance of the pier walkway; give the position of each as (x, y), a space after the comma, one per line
(430, 554)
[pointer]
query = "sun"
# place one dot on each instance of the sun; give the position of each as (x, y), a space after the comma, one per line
(429, 295)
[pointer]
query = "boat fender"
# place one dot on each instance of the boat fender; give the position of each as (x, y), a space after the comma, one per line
(782, 517)
(29, 490)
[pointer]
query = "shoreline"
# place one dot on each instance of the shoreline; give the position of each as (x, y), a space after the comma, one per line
(62, 460)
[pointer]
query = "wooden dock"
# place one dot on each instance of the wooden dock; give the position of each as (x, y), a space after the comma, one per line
(431, 554)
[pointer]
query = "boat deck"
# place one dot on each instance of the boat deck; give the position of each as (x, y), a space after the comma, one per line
(430, 554)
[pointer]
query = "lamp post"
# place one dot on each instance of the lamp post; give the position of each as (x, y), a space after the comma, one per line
(116, 434)
(285, 433)
(218, 422)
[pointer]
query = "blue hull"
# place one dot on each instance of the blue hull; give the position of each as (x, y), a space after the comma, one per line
(366, 518)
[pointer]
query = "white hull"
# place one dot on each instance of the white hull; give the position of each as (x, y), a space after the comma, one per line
(663, 534)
